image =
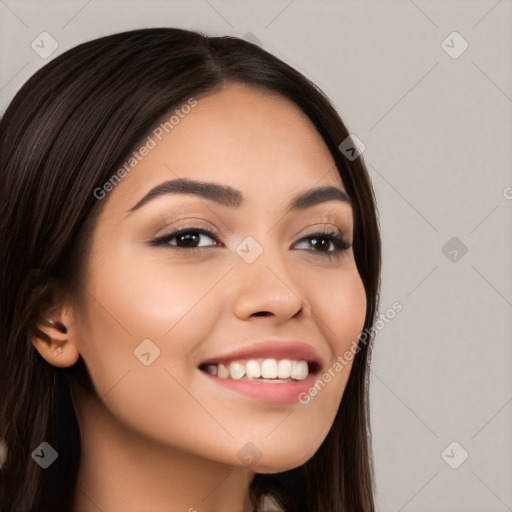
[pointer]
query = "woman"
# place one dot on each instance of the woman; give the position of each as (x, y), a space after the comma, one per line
(190, 269)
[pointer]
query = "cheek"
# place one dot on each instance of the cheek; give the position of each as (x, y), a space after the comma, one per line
(174, 309)
(339, 303)
(153, 298)
(132, 301)
(339, 300)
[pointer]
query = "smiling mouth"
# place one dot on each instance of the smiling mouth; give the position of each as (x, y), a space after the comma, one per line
(262, 370)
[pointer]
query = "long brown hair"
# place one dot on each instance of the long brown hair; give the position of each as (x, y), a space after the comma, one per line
(65, 133)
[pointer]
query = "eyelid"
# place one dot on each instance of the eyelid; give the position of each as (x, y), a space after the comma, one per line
(324, 225)
(161, 240)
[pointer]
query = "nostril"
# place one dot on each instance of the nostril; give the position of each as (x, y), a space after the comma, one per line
(262, 313)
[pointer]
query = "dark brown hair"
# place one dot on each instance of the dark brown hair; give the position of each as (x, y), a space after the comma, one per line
(65, 133)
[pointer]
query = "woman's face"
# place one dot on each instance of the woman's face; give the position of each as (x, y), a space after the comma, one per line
(158, 305)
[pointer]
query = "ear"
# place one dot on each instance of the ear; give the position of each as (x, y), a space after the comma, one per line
(55, 336)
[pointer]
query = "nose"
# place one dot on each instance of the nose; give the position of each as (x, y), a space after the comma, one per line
(264, 289)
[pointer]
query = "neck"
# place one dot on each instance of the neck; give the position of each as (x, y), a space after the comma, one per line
(122, 471)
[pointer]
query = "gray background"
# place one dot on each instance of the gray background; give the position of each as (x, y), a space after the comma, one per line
(437, 132)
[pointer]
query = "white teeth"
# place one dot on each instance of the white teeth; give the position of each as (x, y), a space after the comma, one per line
(269, 369)
(236, 370)
(284, 369)
(252, 369)
(299, 370)
(222, 371)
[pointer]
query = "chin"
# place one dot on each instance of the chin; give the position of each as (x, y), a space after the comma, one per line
(277, 464)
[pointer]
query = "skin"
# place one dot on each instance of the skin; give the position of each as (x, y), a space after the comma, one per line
(163, 437)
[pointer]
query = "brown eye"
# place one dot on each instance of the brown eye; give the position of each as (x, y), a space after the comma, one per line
(322, 243)
(328, 244)
(187, 238)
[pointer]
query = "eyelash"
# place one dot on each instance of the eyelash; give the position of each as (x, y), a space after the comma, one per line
(340, 244)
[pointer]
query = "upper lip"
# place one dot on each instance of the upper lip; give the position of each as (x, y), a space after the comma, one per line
(296, 350)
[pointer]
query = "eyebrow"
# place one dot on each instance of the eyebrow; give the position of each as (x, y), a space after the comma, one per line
(232, 198)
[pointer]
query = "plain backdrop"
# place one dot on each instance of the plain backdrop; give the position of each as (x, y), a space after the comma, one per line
(427, 87)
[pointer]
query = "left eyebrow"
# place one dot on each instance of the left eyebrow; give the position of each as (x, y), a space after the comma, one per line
(318, 195)
(232, 198)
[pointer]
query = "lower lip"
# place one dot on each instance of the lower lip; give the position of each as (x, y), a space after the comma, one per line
(271, 393)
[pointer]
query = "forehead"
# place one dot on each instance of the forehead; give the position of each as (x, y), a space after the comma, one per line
(247, 138)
